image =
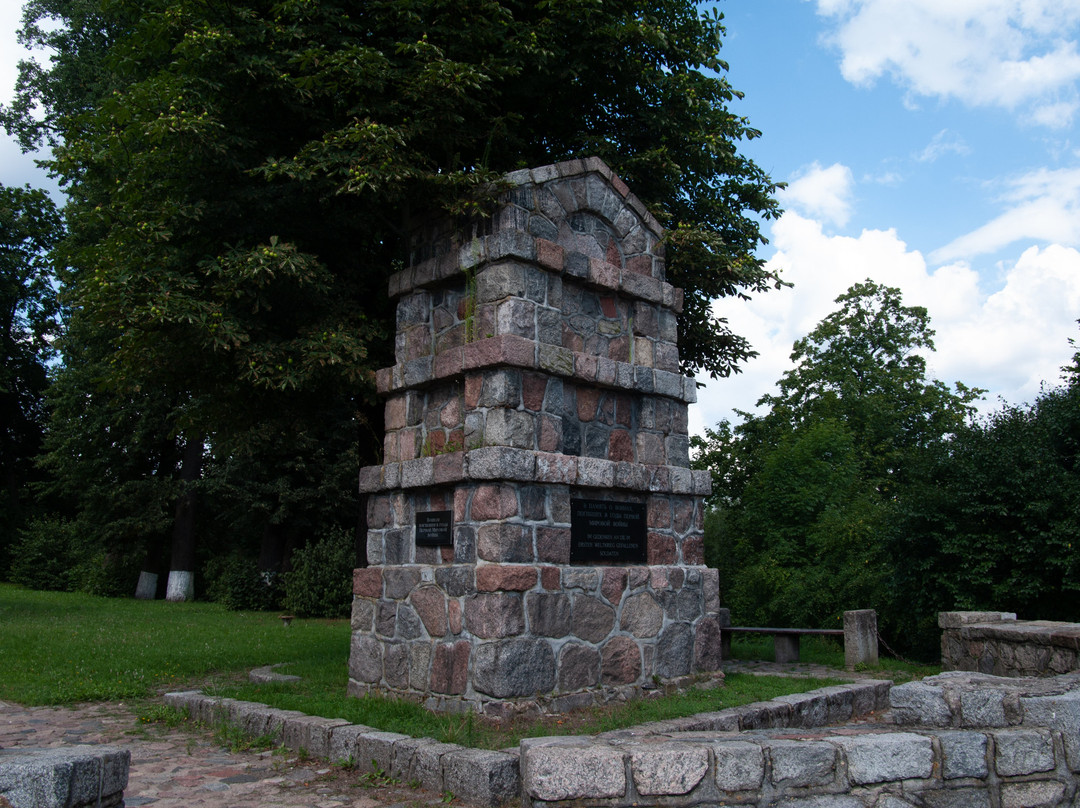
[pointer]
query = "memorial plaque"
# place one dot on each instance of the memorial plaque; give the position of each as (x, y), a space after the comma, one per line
(607, 531)
(433, 529)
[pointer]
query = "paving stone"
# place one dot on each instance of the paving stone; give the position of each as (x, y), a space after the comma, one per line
(879, 758)
(1032, 795)
(963, 754)
(740, 766)
(802, 763)
(957, 798)
(553, 769)
(514, 668)
(920, 703)
(662, 769)
(482, 777)
(1023, 751)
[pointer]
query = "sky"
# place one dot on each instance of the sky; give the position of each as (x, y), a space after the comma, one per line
(930, 145)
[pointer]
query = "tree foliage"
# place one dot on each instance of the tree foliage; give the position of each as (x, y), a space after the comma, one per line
(29, 318)
(993, 526)
(806, 495)
(242, 178)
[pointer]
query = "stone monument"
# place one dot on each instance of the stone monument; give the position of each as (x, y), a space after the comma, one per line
(535, 531)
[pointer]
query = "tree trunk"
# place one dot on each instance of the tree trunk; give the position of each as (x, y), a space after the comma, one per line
(182, 566)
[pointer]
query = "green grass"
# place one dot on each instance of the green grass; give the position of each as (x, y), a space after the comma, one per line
(320, 692)
(62, 648)
(829, 651)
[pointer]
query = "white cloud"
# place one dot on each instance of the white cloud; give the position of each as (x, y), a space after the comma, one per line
(1009, 340)
(888, 178)
(1015, 339)
(1003, 53)
(944, 142)
(1055, 115)
(1042, 205)
(825, 193)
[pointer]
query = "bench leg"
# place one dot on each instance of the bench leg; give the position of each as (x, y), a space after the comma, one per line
(860, 638)
(786, 647)
(725, 645)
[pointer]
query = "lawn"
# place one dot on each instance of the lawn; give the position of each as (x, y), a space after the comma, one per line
(829, 651)
(62, 648)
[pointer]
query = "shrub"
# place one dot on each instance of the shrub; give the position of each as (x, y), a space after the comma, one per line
(109, 575)
(239, 585)
(43, 555)
(320, 583)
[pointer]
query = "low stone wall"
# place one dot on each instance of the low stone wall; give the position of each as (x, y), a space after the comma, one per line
(997, 643)
(477, 776)
(66, 777)
(1024, 752)
(487, 778)
(958, 740)
(839, 769)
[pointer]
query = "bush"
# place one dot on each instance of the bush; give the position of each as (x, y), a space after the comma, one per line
(320, 584)
(110, 575)
(43, 555)
(239, 585)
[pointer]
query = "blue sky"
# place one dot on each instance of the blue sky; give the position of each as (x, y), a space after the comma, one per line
(931, 145)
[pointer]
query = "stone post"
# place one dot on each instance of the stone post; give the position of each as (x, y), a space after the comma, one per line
(535, 531)
(860, 638)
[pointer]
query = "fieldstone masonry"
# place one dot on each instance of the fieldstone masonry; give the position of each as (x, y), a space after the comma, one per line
(80, 776)
(998, 643)
(536, 364)
(957, 740)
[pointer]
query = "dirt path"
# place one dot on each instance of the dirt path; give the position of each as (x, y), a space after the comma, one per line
(171, 768)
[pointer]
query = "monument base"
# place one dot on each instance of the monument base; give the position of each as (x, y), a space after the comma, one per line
(507, 638)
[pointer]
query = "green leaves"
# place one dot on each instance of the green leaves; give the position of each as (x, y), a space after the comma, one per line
(244, 176)
(30, 321)
(810, 493)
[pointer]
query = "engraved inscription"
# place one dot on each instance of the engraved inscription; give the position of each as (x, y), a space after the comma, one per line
(433, 529)
(607, 531)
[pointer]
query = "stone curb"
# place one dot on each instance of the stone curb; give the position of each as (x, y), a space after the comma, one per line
(72, 776)
(268, 674)
(477, 776)
(843, 767)
(487, 778)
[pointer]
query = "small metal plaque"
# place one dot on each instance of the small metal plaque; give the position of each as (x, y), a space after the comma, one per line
(433, 529)
(607, 531)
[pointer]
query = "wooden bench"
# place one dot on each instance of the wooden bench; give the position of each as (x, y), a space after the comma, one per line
(785, 640)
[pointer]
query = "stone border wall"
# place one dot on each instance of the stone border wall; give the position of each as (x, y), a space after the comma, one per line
(66, 777)
(1003, 743)
(838, 768)
(999, 644)
(491, 778)
(958, 740)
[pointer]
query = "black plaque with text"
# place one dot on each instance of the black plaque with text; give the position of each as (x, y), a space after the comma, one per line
(433, 529)
(607, 531)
